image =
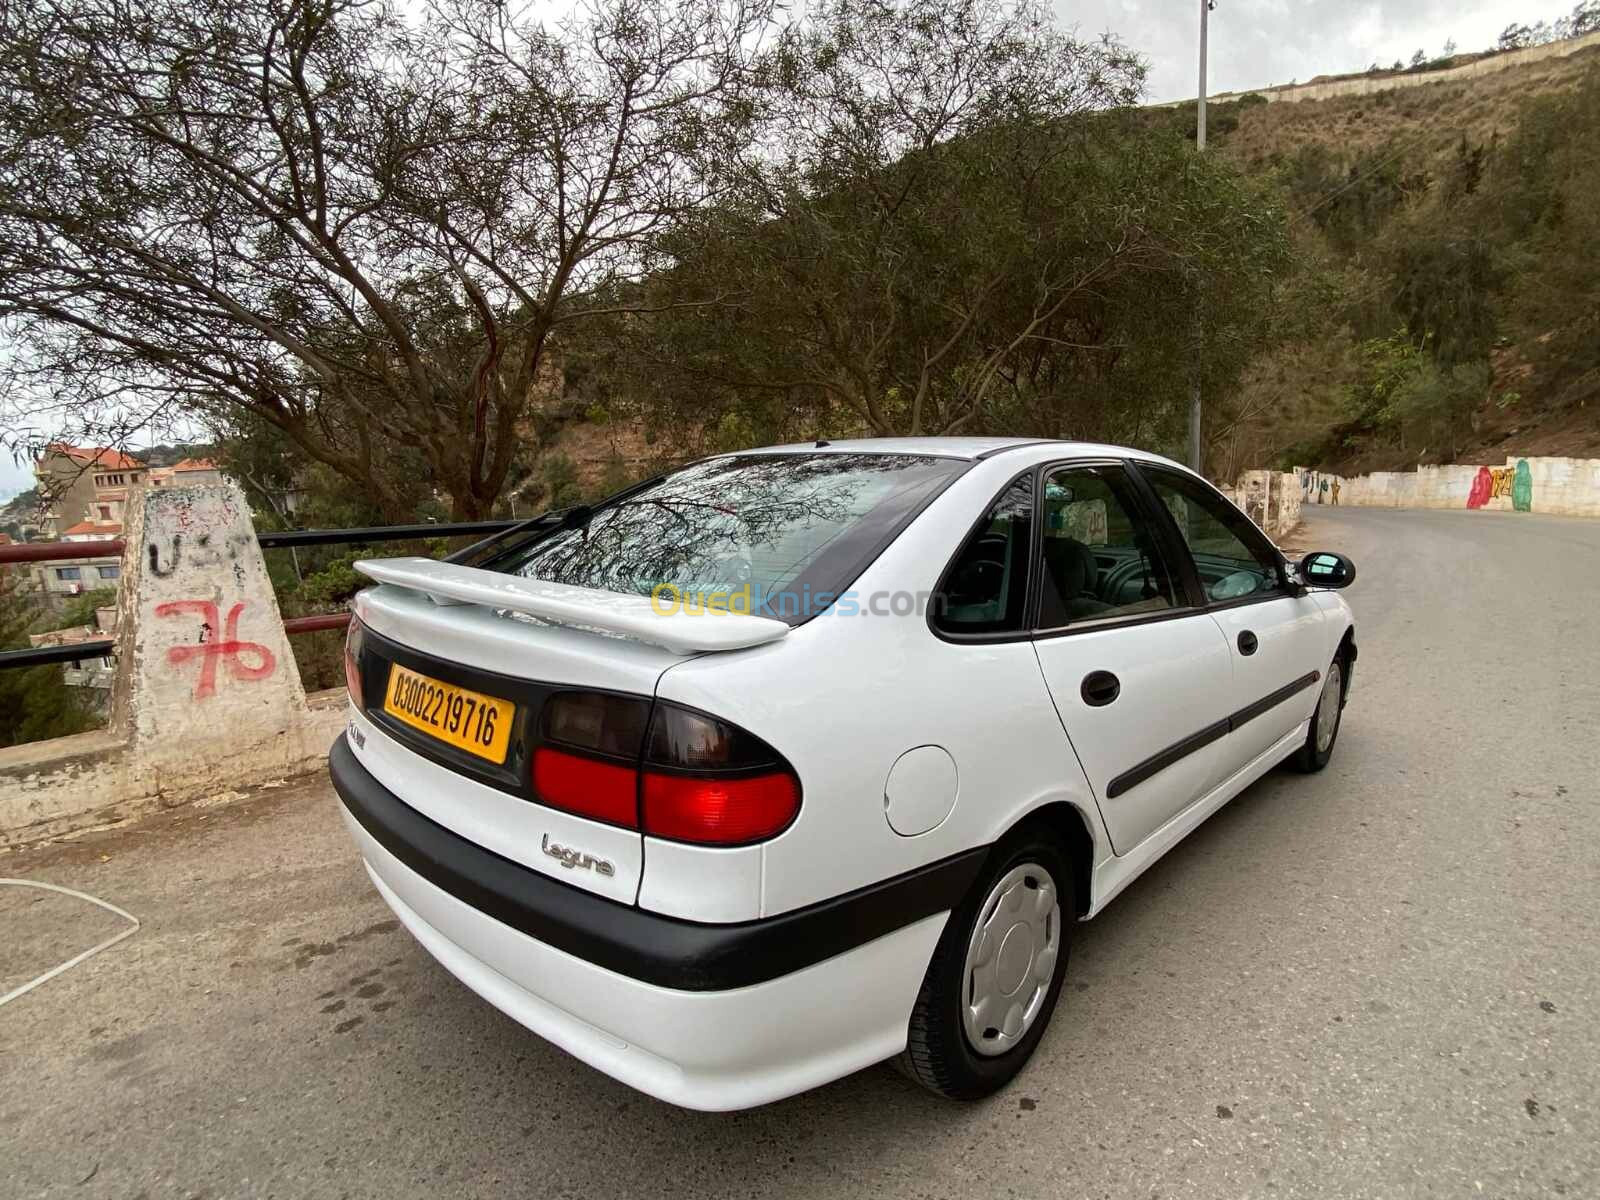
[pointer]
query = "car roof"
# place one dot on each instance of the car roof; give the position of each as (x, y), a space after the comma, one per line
(963, 447)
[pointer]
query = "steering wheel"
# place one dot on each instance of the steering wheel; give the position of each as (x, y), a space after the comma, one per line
(1232, 587)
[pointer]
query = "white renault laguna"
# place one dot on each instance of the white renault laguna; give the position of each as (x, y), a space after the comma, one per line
(798, 759)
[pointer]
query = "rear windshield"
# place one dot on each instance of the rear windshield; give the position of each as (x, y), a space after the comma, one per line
(778, 534)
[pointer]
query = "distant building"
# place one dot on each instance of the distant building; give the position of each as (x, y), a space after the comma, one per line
(191, 472)
(93, 672)
(83, 482)
(84, 495)
(61, 579)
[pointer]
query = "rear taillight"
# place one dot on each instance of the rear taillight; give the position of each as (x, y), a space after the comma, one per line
(720, 812)
(354, 636)
(665, 770)
(587, 786)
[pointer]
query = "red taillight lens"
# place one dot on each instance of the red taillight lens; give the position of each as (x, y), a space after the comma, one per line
(587, 787)
(668, 770)
(354, 636)
(719, 812)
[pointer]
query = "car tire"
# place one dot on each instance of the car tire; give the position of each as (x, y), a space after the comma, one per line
(1325, 720)
(942, 1053)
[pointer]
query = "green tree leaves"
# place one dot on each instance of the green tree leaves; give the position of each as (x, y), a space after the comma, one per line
(959, 234)
(35, 703)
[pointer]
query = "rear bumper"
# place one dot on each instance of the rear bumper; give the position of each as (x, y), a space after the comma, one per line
(706, 1016)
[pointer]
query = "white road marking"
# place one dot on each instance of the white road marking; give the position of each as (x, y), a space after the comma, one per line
(132, 929)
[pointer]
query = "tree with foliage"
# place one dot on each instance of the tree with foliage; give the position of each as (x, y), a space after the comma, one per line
(1350, 197)
(1443, 283)
(80, 610)
(358, 230)
(35, 702)
(1404, 390)
(958, 237)
(1515, 36)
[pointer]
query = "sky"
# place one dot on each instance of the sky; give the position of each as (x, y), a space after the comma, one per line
(13, 478)
(1255, 43)
(1252, 43)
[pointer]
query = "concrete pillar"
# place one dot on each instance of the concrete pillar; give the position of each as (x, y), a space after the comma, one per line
(206, 686)
(206, 697)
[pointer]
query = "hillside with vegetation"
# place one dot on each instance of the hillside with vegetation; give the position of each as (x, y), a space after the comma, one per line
(1435, 296)
(458, 262)
(1444, 299)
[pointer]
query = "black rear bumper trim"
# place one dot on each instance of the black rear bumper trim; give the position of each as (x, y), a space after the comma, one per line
(671, 953)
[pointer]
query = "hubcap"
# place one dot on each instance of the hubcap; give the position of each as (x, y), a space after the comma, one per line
(1011, 959)
(1328, 709)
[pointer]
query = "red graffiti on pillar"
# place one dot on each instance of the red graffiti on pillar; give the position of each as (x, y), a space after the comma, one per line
(210, 648)
(1482, 487)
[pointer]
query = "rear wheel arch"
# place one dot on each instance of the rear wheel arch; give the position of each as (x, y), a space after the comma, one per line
(1346, 652)
(1068, 825)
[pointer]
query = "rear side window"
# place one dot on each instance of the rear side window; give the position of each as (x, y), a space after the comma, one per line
(777, 534)
(985, 589)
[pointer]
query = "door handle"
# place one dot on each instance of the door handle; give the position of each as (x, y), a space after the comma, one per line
(1100, 688)
(1248, 643)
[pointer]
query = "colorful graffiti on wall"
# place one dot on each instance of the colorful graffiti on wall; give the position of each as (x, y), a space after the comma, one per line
(1317, 488)
(1503, 483)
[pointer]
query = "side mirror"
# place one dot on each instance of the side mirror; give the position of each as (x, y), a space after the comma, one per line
(1324, 568)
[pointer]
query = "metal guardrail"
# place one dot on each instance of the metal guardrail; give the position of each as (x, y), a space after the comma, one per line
(28, 552)
(368, 535)
(40, 655)
(315, 623)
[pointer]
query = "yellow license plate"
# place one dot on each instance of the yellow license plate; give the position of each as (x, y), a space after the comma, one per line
(468, 720)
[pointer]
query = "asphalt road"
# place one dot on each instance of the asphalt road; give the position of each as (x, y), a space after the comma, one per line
(1380, 981)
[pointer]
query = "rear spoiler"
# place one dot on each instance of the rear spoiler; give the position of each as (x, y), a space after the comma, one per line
(585, 608)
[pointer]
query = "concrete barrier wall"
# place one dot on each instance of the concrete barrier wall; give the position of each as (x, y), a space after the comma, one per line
(1269, 498)
(206, 696)
(1568, 486)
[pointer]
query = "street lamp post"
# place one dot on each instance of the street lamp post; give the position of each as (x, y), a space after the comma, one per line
(1200, 143)
(1200, 128)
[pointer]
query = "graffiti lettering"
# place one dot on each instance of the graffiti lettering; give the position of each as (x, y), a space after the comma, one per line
(1482, 488)
(156, 568)
(1503, 483)
(1317, 488)
(209, 649)
(203, 554)
(1522, 488)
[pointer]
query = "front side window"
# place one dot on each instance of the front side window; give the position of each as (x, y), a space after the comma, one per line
(1101, 558)
(776, 534)
(985, 589)
(1233, 557)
